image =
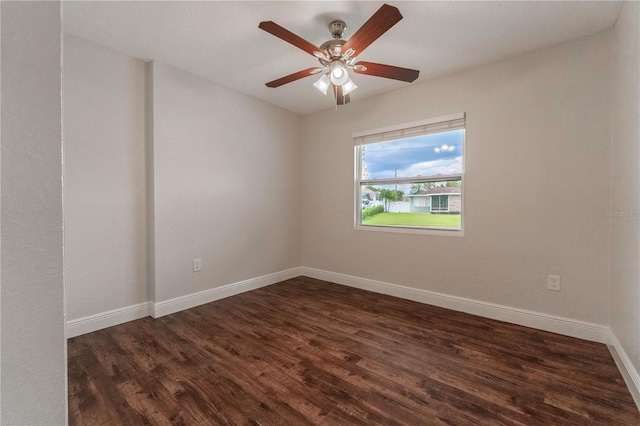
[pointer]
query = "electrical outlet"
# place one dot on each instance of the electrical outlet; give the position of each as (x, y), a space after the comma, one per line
(553, 282)
(197, 265)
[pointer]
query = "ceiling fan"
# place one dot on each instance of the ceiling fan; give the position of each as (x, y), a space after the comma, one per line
(337, 56)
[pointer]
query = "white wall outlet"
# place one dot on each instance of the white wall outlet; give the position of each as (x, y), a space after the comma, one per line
(553, 282)
(197, 265)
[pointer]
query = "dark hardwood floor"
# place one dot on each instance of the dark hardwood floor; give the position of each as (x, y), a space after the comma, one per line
(308, 352)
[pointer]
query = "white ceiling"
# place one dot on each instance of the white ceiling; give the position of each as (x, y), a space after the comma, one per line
(220, 40)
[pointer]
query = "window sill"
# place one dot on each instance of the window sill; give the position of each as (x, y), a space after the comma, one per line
(450, 232)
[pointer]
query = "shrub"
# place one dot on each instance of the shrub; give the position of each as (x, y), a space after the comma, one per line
(371, 211)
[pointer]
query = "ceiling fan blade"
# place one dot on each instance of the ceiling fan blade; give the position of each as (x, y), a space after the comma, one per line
(386, 71)
(286, 35)
(381, 21)
(293, 77)
(341, 98)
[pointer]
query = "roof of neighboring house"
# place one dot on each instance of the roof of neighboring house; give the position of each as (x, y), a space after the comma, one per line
(439, 190)
(372, 194)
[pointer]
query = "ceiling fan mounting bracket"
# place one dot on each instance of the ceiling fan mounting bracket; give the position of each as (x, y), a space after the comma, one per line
(336, 28)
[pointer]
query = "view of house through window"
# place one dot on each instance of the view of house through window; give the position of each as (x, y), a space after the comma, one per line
(411, 176)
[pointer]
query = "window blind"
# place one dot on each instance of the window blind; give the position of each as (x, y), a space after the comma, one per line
(435, 125)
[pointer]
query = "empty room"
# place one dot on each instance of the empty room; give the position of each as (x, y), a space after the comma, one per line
(320, 213)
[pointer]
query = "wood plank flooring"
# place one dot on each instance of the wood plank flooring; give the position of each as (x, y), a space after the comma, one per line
(309, 352)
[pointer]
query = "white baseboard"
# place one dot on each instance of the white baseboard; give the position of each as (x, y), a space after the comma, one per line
(177, 304)
(102, 320)
(565, 326)
(628, 371)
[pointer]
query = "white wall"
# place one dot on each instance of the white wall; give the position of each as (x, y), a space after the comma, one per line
(536, 184)
(625, 184)
(104, 132)
(33, 353)
(226, 185)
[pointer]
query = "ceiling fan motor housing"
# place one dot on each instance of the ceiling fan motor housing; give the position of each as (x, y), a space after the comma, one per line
(333, 48)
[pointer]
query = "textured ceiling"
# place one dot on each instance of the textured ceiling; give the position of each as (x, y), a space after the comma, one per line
(221, 42)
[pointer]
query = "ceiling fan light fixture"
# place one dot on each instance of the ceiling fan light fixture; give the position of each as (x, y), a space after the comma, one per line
(339, 74)
(348, 87)
(323, 84)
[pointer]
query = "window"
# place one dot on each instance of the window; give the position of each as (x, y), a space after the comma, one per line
(421, 201)
(440, 203)
(412, 176)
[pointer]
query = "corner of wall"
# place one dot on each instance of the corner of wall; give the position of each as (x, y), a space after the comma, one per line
(33, 346)
(149, 182)
(624, 364)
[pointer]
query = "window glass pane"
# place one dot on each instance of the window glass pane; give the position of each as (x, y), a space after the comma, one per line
(428, 155)
(431, 204)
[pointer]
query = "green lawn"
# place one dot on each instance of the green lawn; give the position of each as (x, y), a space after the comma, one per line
(414, 219)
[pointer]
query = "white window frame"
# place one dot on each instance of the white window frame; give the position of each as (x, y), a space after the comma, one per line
(431, 125)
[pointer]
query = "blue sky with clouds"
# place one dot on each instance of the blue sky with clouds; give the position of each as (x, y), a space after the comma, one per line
(429, 155)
